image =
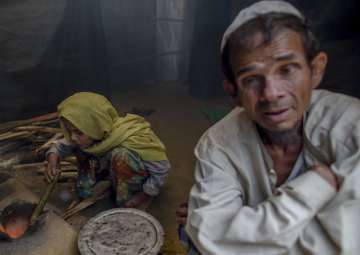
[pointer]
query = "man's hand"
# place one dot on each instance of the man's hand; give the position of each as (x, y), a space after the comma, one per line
(326, 173)
(53, 166)
(181, 213)
(137, 199)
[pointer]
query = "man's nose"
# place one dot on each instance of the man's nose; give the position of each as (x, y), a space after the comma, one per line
(272, 90)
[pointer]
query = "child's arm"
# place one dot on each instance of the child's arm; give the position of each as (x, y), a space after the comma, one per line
(53, 165)
(58, 150)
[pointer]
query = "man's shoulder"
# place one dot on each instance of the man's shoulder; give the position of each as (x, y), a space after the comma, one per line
(234, 126)
(326, 97)
(326, 104)
(333, 113)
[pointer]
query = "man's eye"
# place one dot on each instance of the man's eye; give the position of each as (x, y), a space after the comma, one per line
(251, 81)
(287, 69)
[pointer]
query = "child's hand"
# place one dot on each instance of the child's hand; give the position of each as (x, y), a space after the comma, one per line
(53, 167)
(137, 199)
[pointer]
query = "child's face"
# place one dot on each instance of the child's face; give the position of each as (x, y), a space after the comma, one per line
(77, 138)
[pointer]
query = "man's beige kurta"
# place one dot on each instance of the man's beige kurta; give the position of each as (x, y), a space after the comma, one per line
(235, 208)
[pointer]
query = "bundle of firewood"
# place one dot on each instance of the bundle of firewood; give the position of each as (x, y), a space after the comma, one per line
(23, 144)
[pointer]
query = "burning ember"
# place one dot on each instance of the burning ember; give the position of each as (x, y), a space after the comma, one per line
(16, 227)
(15, 219)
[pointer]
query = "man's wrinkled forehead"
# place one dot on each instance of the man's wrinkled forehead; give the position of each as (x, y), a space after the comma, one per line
(285, 46)
(257, 9)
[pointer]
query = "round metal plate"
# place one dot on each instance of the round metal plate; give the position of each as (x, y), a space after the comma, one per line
(121, 231)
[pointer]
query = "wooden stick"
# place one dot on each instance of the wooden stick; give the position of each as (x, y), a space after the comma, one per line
(45, 117)
(69, 175)
(69, 168)
(29, 166)
(40, 137)
(101, 190)
(83, 205)
(46, 122)
(71, 160)
(64, 169)
(4, 127)
(40, 206)
(38, 129)
(37, 164)
(17, 135)
(65, 166)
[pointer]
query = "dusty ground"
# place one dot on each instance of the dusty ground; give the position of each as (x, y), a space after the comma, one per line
(179, 123)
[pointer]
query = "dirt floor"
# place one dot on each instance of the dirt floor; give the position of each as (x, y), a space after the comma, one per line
(179, 122)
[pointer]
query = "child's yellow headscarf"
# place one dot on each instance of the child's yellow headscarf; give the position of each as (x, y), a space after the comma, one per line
(96, 117)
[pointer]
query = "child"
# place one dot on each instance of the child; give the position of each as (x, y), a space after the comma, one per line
(123, 149)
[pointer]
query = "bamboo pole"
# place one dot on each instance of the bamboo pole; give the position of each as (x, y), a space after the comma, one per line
(40, 206)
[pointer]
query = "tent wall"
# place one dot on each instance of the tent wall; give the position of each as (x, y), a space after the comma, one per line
(210, 21)
(51, 49)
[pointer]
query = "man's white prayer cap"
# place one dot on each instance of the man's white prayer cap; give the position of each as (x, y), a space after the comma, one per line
(259, 8)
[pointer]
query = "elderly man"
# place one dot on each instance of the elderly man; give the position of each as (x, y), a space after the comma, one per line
(281, 173)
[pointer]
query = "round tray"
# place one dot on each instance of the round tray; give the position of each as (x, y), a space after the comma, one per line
(121, 231)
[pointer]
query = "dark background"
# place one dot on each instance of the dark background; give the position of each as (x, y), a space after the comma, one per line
(51, 49)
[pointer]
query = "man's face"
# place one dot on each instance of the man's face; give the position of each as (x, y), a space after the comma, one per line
(274, 81)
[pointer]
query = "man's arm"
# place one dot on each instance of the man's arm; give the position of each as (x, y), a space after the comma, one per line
(339, 218)
(219, 222)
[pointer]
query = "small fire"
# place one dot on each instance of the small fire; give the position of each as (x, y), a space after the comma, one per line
(16, 219)
(16, 227)
(2, 229)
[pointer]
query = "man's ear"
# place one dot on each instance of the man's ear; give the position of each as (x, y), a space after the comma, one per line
(229, 87)
(318, 66)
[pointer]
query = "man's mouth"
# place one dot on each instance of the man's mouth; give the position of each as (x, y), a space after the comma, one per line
(276, 112)
(277, 115)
